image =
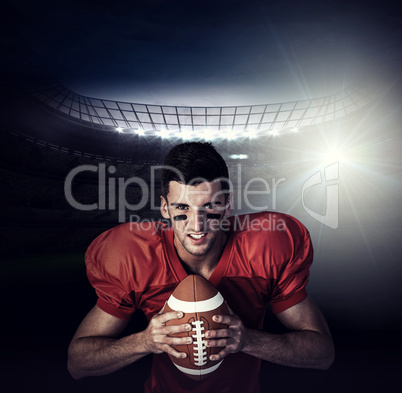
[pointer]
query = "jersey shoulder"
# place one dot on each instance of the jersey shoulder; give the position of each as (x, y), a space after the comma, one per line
(128, 252)
(268, 241)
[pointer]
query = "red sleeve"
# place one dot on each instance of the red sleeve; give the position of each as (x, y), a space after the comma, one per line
(112, 295)
(290, 287)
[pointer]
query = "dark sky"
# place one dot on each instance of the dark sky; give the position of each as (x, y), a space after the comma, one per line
(206, 52)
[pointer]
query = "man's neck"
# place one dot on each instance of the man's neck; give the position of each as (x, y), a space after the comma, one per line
(204, 265)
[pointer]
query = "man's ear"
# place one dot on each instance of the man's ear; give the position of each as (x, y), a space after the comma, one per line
(229, 204)
(164, 208)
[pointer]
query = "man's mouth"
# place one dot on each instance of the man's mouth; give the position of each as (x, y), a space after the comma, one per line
(197, 236)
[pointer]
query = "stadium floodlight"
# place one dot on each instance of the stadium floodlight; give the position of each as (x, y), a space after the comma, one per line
(208, 134)
(239, 156)
(274, 133)
(295, 129)
(163, 132)
(140, 131)
(231, 134)
(119, 129)
(186, 134)
(251, 132)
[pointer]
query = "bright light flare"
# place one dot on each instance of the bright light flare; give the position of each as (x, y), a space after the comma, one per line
(209, 135)
(239, 156)
(251, 133)
(186, 134)
(163, 133)
(335, 155)
(231, 134)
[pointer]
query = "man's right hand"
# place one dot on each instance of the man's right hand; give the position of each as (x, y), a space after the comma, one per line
(157, 334)
(96, 349)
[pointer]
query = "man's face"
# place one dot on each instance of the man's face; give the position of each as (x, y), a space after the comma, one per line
(196, 213)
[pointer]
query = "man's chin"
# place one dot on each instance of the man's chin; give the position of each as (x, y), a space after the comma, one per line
(198, 250)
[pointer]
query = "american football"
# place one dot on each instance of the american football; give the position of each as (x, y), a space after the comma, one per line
(199, 300)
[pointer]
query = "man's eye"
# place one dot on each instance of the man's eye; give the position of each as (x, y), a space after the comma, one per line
(210, 206)
(181, 207)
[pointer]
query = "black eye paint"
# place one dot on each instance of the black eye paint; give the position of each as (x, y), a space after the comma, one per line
(181, 217)
(214, 216)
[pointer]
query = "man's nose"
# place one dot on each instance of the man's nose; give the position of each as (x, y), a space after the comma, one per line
(198, 221)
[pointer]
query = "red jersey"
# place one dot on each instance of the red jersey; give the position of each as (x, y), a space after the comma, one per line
(266, 260)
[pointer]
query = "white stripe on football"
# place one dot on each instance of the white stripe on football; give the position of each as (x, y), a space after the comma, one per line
(201, 306)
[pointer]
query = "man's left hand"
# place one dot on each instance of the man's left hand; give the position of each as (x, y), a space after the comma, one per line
(233, 338)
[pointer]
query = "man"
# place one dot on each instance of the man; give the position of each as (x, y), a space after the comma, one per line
(253, 260)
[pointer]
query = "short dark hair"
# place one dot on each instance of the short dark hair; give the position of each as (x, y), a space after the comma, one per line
(194, 161)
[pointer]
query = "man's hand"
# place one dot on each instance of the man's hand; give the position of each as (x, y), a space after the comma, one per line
(156, 335)
(233, 339)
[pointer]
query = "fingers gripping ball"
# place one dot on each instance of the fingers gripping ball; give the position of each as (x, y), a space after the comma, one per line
(199, 300)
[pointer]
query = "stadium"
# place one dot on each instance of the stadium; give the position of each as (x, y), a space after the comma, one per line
(74, 165)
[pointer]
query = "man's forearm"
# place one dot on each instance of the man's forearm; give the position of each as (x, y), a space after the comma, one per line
(303, 348)
(90, 356)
